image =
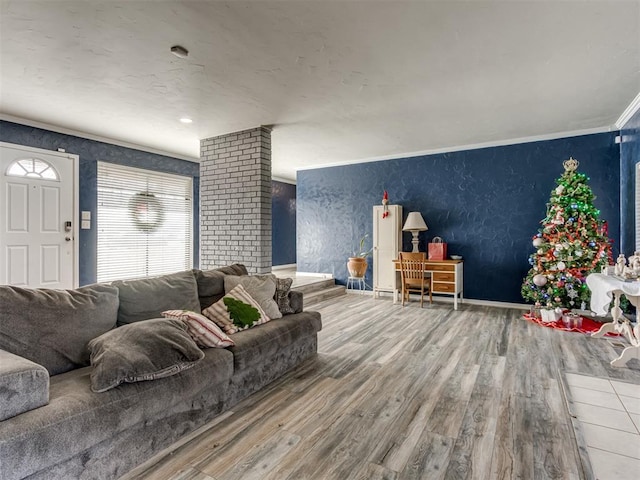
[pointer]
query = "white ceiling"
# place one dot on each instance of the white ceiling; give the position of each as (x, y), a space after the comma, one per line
(339, 80)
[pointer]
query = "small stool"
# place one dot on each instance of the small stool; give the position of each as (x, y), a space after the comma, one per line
(359, 281)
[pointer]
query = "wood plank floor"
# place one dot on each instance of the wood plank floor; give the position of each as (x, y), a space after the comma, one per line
(407, 393)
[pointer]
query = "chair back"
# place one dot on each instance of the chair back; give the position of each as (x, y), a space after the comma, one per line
(412, 265)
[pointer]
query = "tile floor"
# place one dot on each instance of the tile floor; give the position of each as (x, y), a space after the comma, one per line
(609, 416)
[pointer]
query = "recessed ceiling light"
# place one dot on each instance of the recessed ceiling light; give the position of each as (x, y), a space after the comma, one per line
(186, 120)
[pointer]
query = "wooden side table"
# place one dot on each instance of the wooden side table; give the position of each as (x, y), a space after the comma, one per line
(446, 278)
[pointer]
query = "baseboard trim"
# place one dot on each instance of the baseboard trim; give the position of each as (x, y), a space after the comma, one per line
(288, 266)
(355, 291)
(467, 301)
(493, 303)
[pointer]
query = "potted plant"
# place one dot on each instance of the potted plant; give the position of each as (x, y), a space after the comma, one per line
(357, 264)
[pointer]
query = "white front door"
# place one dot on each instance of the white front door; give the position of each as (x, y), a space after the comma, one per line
(38, 209)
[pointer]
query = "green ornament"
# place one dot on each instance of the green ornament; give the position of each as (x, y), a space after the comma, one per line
(242, 314)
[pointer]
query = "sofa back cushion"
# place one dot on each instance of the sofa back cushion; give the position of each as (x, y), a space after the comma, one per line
(147, 298)
(211, 282)
(52, 327)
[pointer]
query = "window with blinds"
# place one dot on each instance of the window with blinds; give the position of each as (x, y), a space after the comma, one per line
(144, 221)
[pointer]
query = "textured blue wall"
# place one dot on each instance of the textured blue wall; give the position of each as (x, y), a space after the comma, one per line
(629, 157)
(486, 203)
(283, 214)
(90, 151)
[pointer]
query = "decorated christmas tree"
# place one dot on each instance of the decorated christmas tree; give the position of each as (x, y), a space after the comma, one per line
(571, 244)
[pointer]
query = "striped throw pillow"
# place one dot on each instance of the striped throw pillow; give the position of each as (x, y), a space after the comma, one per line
(219, 313)
(203, 331)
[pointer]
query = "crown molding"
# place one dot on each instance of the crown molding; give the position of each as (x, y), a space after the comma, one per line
(629, 112)
(475, 146)
(97, 138)
(284, 180)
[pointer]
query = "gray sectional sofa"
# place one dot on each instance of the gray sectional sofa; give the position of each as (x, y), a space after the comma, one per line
(53, 426)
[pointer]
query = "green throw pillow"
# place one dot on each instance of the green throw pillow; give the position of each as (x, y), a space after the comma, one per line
(242, 314)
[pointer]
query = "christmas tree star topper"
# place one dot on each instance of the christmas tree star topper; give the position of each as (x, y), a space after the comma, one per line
(571, 165)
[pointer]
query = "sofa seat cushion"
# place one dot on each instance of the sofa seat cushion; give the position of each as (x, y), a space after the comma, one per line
(24, 385)
(211, 282)
(77, 418)
(257, 344)
(52, 327)
(147, 298)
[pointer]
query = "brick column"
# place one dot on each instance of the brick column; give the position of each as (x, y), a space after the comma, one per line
(235, 200)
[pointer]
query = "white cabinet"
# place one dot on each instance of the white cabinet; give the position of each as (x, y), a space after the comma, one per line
(387, 242)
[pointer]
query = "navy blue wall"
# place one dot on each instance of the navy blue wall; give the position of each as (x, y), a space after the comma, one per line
(283, 214)
(90, 151)
(629, 157)
(486, 203)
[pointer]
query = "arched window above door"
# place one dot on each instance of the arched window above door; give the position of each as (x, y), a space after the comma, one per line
(32, 168)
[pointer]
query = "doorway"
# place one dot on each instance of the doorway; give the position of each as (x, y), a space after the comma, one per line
(38, 213)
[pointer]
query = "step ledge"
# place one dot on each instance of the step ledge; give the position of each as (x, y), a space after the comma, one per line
(313, 274)
(289, 266)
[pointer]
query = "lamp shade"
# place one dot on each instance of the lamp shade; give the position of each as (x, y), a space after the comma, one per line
(415, 222)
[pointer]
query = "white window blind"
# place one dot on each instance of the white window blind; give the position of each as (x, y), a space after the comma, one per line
(145, 222)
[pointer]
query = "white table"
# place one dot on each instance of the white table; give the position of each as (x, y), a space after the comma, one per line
(604, 288)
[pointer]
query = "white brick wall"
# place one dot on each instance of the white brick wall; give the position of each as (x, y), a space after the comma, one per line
(235, 200)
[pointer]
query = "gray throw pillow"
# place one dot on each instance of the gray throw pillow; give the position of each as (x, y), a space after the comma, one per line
(211, 282)
(262, 289)
(145, 350)
(283, 285)
(148, 297)
(52, 327)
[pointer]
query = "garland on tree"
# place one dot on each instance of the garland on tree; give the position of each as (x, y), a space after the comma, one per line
(571, 244)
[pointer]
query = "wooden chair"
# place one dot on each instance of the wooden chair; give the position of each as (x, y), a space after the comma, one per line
(414, 277)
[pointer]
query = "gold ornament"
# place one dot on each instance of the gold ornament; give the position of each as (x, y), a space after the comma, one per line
(570, 165)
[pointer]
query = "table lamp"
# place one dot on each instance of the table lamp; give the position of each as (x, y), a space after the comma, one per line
(415, 224)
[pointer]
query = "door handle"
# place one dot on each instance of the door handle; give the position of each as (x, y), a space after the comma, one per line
(68, 239)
